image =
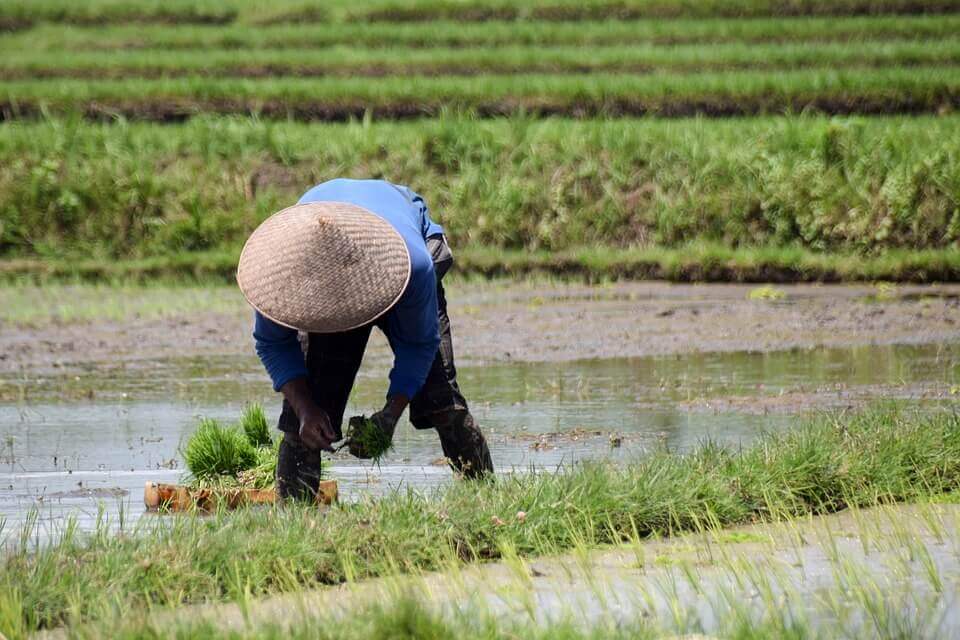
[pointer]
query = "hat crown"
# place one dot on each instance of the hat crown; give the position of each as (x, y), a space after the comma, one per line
(349, 251)
(324, 267)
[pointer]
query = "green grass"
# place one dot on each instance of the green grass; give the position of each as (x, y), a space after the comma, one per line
(253, 421)
(215, 450)
(20, 14)
(396, 36)
(696, 262)
(831, 463)
(58, 304)
(867, 91)
(348, 62)
(789, 198)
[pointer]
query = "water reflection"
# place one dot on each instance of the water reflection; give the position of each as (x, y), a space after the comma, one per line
(119, 424)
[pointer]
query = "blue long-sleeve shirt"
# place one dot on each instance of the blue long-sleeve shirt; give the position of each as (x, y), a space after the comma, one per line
(411, 326)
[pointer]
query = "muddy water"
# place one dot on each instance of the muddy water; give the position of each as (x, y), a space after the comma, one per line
(78, 443)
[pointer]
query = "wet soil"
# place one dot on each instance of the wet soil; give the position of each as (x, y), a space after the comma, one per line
(500, 322)
(555, 374)
(620, 10)
(935, 99)
(243, 69)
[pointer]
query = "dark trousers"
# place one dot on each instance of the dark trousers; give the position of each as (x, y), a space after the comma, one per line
(333, 360)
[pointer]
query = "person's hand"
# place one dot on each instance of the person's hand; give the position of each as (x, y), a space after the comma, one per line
(316, 432)
(385, 420)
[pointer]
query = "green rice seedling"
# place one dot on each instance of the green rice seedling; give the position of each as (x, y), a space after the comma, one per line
(925, 88)
(455, 61)
(253, 421)
(364, 434)
(215, 451)
(400, 36)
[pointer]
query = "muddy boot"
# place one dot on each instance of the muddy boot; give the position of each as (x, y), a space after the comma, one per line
(298, 469)
(464, 445)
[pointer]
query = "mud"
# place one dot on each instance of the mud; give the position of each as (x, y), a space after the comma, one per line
(501, 322)
(555, 374)
(935, 99)
(472, 12)
(435, 69)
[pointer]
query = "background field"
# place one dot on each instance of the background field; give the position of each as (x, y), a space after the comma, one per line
(747, 139)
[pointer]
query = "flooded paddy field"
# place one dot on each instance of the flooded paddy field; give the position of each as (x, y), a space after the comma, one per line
(94, 408)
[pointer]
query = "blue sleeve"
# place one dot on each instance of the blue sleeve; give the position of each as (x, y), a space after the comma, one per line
(427, 226)
(279, 350)
(414, 333)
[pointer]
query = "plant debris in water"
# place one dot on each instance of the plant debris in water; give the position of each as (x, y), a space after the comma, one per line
(366, 436)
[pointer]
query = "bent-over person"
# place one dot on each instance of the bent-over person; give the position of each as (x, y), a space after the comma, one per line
(349, 256)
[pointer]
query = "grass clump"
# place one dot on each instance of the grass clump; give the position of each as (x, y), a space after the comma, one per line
(216, 450)
(254, 423)
(829, 463)
(242, 456)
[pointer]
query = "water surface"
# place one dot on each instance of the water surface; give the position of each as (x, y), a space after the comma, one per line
(84, 442)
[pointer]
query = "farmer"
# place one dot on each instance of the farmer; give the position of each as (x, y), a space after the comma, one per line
(351, 255)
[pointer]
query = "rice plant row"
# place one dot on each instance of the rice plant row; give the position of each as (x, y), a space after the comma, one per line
(347, 62)
(105, 191)
(867, 91)
(306, 35)
(23, 14)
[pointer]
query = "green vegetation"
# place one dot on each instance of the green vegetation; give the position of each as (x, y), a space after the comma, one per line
(346, 62)
(57, 304)
(790, 198)
(253, 421)
(697, 262)
(365, 436)
(21, 14)
(397, 36)
(865, 91)
(242, 455)
(833, 462)
(693, 199)
(215, 450)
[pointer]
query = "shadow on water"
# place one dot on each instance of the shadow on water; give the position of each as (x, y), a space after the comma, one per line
(80, 440)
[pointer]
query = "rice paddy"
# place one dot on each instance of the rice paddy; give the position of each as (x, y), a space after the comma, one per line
(765, 142)
(688, 199)
(881, 456)
(819, 92)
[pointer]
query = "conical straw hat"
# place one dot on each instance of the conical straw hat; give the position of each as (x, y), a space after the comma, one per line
(324, 267)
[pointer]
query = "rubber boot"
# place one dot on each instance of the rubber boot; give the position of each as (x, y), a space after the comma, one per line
(298, 469)
(464, 445)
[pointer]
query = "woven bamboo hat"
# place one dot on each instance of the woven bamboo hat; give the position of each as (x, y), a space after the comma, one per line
(324, 267)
